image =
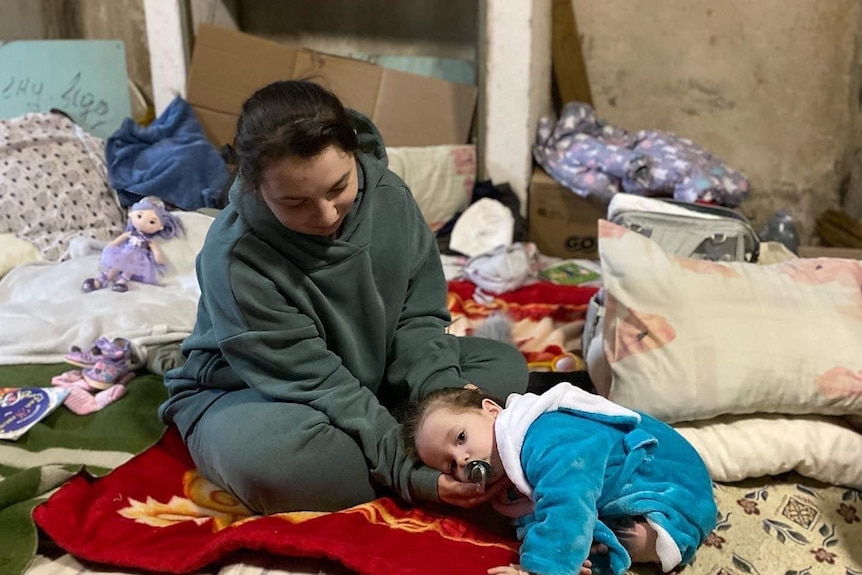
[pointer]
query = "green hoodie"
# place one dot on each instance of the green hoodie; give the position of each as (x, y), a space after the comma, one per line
(333, 324)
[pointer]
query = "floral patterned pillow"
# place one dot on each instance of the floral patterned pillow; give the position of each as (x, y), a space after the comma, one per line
(692, 339)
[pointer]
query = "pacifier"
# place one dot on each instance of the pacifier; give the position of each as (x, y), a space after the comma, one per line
(478, 471)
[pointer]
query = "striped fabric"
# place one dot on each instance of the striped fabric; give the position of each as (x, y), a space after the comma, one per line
(61, 446)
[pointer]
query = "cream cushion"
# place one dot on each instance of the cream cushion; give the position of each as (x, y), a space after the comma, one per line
(692, 339)
(14, 251)
(440, 177)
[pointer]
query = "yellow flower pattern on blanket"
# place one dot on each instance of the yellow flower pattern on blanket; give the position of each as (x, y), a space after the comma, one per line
(203, 501)
(380, 511)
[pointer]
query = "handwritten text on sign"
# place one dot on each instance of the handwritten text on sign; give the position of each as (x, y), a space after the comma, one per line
(86, 79)
(79, 103)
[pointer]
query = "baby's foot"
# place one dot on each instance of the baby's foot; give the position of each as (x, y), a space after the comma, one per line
(639, 539)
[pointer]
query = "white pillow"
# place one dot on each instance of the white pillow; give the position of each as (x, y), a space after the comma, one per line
(737, 447)
(692, 339)
(440, 177)
(181, 251)
(44, 311)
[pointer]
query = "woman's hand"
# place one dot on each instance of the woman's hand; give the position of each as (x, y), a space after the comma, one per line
(467, 495)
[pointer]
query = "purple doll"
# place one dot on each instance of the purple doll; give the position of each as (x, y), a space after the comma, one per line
(133, 256)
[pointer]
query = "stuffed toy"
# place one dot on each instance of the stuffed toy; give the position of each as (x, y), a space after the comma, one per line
(133, 256)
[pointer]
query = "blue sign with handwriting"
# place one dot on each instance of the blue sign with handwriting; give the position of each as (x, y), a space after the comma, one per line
(86, 79)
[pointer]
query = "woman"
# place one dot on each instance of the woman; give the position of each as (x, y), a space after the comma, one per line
(323, 308)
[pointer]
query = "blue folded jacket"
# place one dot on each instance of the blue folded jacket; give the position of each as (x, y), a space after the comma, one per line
(171, 158)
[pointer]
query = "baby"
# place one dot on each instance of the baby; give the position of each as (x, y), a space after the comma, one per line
(605, 486)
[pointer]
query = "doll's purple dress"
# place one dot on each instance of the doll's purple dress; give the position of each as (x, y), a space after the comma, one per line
(133, 258)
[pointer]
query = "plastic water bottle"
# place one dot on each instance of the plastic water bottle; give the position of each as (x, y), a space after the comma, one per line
(781, 228)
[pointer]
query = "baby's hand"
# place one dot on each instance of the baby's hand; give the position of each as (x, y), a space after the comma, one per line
(467, 495)
(510, 569)
(515, 569)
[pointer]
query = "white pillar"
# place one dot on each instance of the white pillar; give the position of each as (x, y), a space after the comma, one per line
(169, 43)
(516, 72)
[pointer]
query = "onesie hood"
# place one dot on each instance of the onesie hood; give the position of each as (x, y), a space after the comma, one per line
(522, 409)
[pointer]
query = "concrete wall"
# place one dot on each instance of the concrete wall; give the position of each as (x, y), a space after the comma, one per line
(769, 86)
(21, 20)
(93, 19)
(441, 28)
(851, 188)
(122, 20)
(772, 87)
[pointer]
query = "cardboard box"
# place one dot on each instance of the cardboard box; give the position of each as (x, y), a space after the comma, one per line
(409, 110)
(562, 223)
(830, 252)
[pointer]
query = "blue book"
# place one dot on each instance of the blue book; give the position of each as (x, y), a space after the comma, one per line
(23, 407)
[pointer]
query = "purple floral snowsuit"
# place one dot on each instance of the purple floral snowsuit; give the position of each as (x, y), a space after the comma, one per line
(591, 157)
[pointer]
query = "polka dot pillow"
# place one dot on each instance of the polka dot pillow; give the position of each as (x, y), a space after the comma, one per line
(54, 184)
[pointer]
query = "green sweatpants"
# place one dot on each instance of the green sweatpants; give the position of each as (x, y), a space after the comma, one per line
(278, 456)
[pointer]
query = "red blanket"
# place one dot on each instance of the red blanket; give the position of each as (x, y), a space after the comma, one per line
(157, 513)
(547, 320)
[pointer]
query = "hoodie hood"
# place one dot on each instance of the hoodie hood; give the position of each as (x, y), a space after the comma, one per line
(370, 140)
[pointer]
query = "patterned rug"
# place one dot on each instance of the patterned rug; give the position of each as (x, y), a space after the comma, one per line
(787, 525)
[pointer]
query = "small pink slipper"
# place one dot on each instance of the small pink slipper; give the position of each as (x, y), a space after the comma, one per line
(70, 379)
(106, 373)
(83, 357)
(104, 349)
(115, 349)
